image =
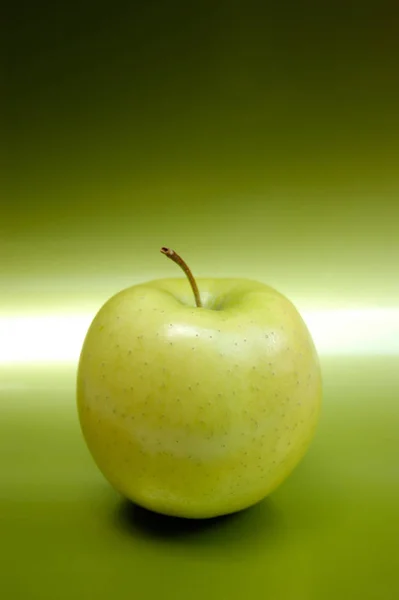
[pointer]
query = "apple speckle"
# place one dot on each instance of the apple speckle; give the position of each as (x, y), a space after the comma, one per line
(252, 384)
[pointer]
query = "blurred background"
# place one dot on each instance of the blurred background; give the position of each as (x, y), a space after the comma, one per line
(259, 140)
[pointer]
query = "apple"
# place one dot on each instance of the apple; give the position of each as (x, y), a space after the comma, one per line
(198, 398)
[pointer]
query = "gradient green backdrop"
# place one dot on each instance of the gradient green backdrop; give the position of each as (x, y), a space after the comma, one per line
(258, 139)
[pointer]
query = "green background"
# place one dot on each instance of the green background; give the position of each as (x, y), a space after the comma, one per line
(257, 139)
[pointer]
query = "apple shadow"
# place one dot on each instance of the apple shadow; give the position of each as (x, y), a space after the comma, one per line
(260, 523)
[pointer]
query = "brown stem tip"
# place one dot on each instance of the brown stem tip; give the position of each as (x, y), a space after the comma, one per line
(179, 261)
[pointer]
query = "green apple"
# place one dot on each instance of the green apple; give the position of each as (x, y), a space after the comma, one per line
(198, 404)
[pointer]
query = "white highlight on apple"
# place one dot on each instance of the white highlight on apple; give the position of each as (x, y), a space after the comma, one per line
(59, 338)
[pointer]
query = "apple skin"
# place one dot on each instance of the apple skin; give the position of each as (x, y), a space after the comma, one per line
(198, 412)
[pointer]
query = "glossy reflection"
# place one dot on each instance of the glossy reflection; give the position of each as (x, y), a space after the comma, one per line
(58, 338)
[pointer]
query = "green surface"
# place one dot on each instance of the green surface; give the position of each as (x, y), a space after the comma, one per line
(330, 531)
(259, 142)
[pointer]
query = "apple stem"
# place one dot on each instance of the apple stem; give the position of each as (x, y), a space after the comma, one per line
(179, 261)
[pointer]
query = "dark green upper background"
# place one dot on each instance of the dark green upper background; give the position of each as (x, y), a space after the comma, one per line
(258, 139)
